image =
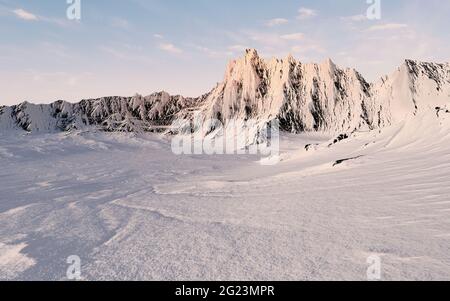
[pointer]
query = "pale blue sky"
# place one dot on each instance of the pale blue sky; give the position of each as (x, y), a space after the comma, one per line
(183, 46)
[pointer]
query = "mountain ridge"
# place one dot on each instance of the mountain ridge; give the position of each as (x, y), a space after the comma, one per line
(303, 97)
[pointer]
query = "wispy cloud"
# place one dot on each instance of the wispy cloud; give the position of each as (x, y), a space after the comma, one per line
(264, 39)
(127, 53)
(166, 46)
(306, 13)
(276, 22)
(388, 26)
(293, 36)
(237, 48)
(214, 53)
(345, 35)
(25, 15)
(355, 18)
(170, 48)
(311, 47)
(65, 79)
(32, 17)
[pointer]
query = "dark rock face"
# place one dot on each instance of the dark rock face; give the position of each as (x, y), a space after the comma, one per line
(338, 162)
(339, 139)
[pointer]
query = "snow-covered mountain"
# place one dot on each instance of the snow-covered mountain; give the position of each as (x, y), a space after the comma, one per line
(302, 97)
(129, 114)
(413, 88)
(323, 97)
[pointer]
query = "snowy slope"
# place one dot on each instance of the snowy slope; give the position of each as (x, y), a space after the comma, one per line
(132, 210)
(415, 87)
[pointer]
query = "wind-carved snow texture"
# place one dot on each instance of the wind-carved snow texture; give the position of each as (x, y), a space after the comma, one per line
(302, 97)
(133, 210)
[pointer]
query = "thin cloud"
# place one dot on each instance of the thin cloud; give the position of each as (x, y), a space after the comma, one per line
(308, 48)
(31, 17)
(237, 48)
(158, 36)
(277, 22)
(293, 36)
(264, 38)
(25, 15)
(306, 13)
(131, 54)
(170, 48)
(355, 18)
(388, 26)
(213, 53)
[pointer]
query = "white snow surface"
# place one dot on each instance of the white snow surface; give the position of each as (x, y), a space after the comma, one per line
(132, 210)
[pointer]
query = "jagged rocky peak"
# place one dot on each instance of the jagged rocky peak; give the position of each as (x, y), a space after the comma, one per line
(328, 63)
(439, 73)
(251, 53)
(414, 87)
(301, 96)
(245, 68)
